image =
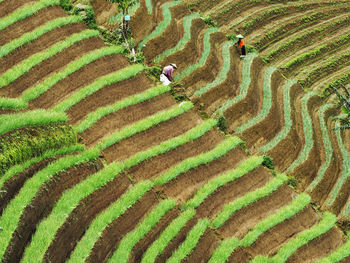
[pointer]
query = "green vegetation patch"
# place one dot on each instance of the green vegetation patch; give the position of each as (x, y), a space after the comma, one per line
(20, 145)
(224, 250)
(337, 255)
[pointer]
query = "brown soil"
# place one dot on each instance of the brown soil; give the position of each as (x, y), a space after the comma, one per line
(271, 240)
(209, 71)
(266, 130)
(103, 10)
(204, 248)
(42, 205)
(246, 218)
(151, 137)
(79, 79)
(7, 7)
(238, 256)
(15, 183)
(319, 247)
(185, 185)
(247, 108)
(171, 35)
(155, 166)
(176, 241)
(288, 149)
(142, 23)
(30, 23)
(233, 190)
(117, 120)
(140, 248)
(116, 231)
(226, 90)
(192, 50)
(49, 66)
(341, 200)
(39, 45)
(78, 221)
(108, 95)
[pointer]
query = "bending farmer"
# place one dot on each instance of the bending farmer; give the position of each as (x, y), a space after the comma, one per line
(240, 43)
(167, 74)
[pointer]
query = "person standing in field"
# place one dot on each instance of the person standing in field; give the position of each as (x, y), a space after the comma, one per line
(167, 74)
(240, 43)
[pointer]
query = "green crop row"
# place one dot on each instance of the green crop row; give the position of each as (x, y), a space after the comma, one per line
(346, 169)
(190, 242)
(144, 124)
(166, 236)
(345, 79)
(26, 11)
(203, 58)
(93, 117)
(331, 65)
(222, 76)
(112, 78)
(118, 18)
(298, 204)
(129, 241)
(38, 32)
(317, 52)
(308, 132)
(162, 25)
(19, 146)
(11, 122)
(24, 66)
(327, 222)
(187, 24)
(149, 6)
(338, 255)
(300, 39)
(242, 169)
(46, 230)
(203, 158)
(327, 144)
(249, 198)
(266, 104)
(99, 224)
(224, 250)
(12, 213)
(247, 62)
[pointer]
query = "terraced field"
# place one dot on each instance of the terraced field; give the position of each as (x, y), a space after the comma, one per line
(128, 174)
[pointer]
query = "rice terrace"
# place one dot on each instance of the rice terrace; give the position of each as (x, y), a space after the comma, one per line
(243, 157)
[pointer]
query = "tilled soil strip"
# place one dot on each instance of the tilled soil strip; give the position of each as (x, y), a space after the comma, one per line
(7, 6)
(30, 23)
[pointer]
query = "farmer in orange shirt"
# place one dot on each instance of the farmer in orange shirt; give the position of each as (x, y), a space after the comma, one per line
(240, 43)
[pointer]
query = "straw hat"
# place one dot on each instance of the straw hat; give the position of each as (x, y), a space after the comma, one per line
(239, 36)
(173, 65)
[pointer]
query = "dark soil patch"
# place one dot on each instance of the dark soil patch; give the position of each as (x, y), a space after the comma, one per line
(142, 23)
(7, 7)
(239, 255)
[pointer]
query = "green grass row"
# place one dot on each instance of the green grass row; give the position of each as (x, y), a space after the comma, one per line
(70, 199)
(93, 117)
(162, 25)
(144, 124)
(249, 198)
(112, 78)
(288, 122)
(21, 145)
(202, 59)
(190, 242)
(24, 66)
(40, 88)
(26, 11)
(247, 62)
(222, 76)
(266, 103)
(149, 6)
(327, 222)
(224, 250)
(300, 40)
(122, 253)
(220, 150)
(118, 18)
(12, 213)
(166, 236)
(10, 122)
(38, 32)
(327, 145)
(187, 24)
(319, 52)
(344, 79)
(308, 132)
(16, 169)
(243, 168)
(338, 255)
